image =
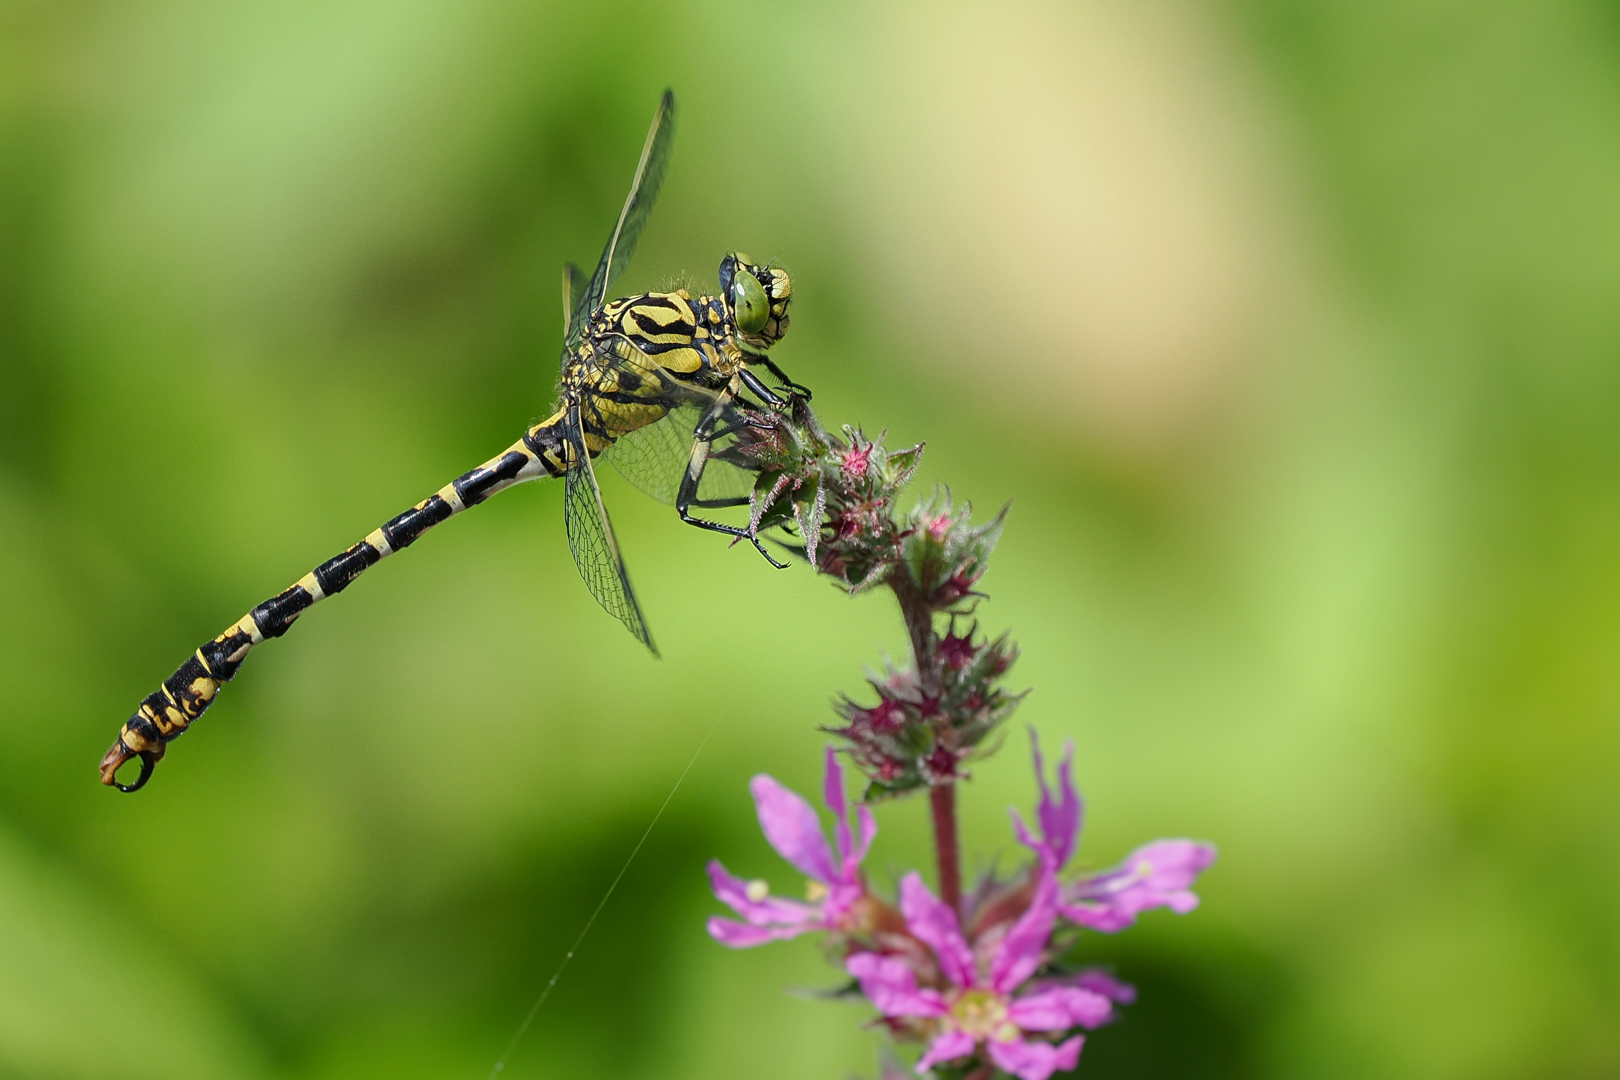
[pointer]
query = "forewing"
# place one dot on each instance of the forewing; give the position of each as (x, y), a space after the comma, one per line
(596, 551)
(576, 316)
(637, 205)
(655, 457)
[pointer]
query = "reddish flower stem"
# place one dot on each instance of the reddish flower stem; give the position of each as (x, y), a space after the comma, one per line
(942, 798)
(919, 618)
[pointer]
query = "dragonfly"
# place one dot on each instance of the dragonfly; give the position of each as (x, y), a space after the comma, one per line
(654, 384)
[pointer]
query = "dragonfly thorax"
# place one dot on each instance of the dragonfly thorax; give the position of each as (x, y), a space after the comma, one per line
(698, 340)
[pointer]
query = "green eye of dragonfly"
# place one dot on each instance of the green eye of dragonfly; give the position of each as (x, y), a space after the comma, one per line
(749, 302)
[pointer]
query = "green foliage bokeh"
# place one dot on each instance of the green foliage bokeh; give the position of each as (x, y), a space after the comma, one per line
(1287, 327)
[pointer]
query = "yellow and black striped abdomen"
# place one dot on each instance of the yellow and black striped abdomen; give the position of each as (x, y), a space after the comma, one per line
(187, 694)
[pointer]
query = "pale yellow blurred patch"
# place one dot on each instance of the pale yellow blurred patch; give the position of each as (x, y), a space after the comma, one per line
(1073, 205)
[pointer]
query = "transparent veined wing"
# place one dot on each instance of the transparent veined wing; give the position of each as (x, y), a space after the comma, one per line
(591, 539)
(637, 205)
(576, 316)
(655, 458)
(654, 423)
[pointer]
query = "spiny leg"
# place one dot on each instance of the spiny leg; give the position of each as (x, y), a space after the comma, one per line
(703, 438)
(796, 388)
(765, 394)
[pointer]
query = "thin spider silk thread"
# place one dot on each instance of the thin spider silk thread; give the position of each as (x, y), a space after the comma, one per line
(523, 1028)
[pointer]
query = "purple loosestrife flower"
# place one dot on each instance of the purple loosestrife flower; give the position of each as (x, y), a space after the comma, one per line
(979, 1003)
(979, 988)
(836, 888)
(1160, 874)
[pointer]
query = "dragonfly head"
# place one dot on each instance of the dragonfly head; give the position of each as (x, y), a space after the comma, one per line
(756, 298)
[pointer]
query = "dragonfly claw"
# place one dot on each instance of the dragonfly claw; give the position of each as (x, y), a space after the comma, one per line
(759, 547)
(114, 759)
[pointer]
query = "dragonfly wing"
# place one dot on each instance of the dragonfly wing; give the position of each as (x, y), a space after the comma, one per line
(576, 316)
(596, 551)
(637, 205)
(723, 481)
(655, 458)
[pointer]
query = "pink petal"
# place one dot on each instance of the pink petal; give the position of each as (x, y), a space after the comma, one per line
(947, 1047)
(1171, 865)
(851, 852)
(1060, 1009)
(868, 824)
(891, 986)
(1022, 950)
(841, 899)
(1030, 840)
(1045, 1011)
(1094, 916)
(1101, 982)
(1159, 874)
(733, 892)
(935, 925)
(793, 829)
(832, 793)
(1060, 819)
(1036, 1060)
(736, 935)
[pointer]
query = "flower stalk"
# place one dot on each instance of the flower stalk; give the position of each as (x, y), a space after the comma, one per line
(838, 494)
(976, 977)
(948, 849)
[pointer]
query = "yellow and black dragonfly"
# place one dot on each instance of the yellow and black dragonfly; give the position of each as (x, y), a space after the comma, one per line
(651, 383)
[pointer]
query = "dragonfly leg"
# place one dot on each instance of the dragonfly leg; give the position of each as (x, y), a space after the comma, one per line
(705, 435)
(729, 429)
(736, 531)
(796, 388)
(763, 392)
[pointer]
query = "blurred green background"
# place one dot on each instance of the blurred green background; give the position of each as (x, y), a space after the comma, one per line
(1290, 328)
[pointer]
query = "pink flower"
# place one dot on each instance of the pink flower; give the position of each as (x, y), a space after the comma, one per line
(857, 460)
(1160, 874)
(981, 1004)
(1059, 818)
(957, 652)
(792, 827)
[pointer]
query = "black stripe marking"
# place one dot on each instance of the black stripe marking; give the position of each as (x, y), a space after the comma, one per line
(473, 488)
(657, 348)
(547, 443)
(334, 575)
(403, 530)
(628, 380)
(217, 654)
(179, 687)
(276, 614)
(652, 327)
(622, 397)
(144, 728)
